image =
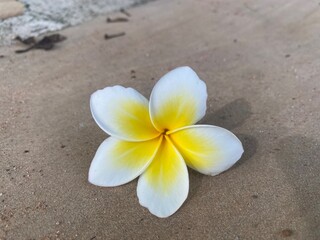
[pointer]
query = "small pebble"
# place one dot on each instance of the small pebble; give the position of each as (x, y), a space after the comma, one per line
(286, 233)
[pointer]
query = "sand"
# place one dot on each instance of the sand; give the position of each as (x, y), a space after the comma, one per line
(260, 60)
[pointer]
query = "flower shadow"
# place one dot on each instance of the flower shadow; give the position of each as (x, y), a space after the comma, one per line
(230, 116)
(250, 146)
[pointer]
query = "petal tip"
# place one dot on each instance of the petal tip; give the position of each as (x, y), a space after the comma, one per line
(157, 209)
(161, 214)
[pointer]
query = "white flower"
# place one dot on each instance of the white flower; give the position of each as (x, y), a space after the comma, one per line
(157, 140)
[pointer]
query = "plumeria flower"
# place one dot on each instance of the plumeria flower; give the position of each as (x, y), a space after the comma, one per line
(157, 140)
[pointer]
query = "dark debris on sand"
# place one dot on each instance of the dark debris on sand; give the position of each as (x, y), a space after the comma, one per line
(46, 43)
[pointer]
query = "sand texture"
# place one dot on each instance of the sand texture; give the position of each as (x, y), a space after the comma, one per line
(260, 60)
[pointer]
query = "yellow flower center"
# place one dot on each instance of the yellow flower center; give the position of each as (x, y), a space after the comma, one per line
(165, 131)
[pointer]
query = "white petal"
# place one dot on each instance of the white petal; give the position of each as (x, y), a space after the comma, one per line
(123, 113)
(117, 162)
(207, 149)
(178, 99)
(164, 186)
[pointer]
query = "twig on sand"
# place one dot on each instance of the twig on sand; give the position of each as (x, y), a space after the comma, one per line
(109, 36)
(118, 19)
(125, 12)
(46, 43)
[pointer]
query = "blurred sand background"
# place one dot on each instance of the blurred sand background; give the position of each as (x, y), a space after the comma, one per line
(30, 18)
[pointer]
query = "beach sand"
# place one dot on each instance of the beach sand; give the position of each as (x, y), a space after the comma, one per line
(260, 60)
